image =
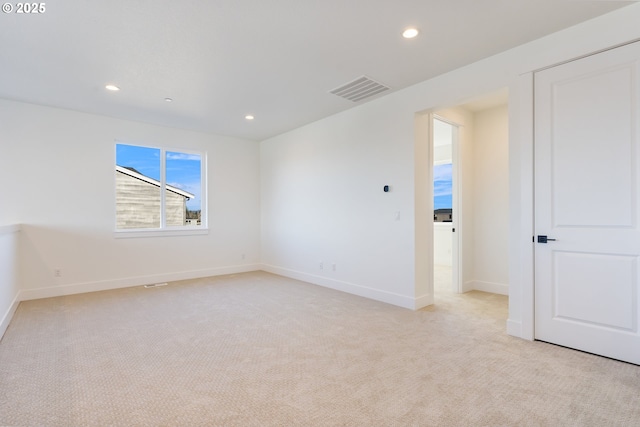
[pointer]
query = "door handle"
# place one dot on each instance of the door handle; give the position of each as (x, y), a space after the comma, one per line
(544, 239)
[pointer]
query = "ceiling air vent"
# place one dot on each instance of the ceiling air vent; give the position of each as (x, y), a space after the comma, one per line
(359, 89)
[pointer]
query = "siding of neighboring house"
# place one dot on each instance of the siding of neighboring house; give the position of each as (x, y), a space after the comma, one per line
(138, 204)
(442, 215)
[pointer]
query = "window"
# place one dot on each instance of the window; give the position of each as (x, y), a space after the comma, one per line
(159, 189)
(442, 192)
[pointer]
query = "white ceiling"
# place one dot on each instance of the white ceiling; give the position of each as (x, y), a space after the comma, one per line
(223, 59)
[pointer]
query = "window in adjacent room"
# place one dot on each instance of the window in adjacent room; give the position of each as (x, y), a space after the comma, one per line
(159, 189)
(442, 192)
(443, 137)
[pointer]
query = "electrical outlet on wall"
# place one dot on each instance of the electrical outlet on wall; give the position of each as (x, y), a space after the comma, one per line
(321, 265)
(57, 272)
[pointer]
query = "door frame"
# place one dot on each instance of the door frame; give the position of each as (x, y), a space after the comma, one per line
(456, 261)
(423, 209)
(521, 322)
(521, 208)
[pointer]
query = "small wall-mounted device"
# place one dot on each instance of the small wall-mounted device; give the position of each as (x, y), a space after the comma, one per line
(386, 188)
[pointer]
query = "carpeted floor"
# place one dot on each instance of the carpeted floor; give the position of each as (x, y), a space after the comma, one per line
(257, 349)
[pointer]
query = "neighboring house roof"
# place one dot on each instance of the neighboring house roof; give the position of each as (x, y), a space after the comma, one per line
(135, 174)
(443, 211)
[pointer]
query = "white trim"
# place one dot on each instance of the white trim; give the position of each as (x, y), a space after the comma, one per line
(423, 208)
(127, 282)
(8, 315)
(423, 301)
(514, 328)
(466, 286)
(352, 288)
(588, 54)
(522, 206)
(195, 230)
(204, 189)
(6, 319)
(437, 116)
(163, 153)
(494, 288)
(457, 207)
(448, 225)
(163, 194)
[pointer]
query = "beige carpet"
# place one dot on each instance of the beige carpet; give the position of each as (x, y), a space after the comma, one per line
(261, 350)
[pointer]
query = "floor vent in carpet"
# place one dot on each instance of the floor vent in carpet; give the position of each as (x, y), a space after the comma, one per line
(155, 285)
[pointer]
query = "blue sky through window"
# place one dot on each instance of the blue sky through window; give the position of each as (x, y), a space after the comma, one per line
(143, 159)
(183, 170)
(442, 186)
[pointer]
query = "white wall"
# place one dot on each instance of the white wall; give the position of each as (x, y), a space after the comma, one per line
(57, 170)
(442, 154)
(323, 200)
(9, 280)
(490, 212)
(321, 184)
(442, 243)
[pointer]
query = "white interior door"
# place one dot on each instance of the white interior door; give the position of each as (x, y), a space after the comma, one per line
(586, 198)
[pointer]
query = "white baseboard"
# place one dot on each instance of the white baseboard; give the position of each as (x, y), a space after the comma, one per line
(127, 282)
(494, 288)
(423, 301)
(350, 288)
(514, 328)
(467, 286)
(6, 319)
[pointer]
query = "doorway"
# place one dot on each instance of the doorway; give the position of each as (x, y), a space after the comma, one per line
(445, 206)
(480, 197)
(586, 202)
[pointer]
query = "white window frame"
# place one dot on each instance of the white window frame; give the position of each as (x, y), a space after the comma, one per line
(164, 230)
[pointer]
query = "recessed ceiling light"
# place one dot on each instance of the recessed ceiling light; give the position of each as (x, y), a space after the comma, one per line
(168, 99)
(410, 33)
(112, 88)
(249, 117)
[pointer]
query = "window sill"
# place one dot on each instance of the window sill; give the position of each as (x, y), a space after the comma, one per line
(127, 234)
